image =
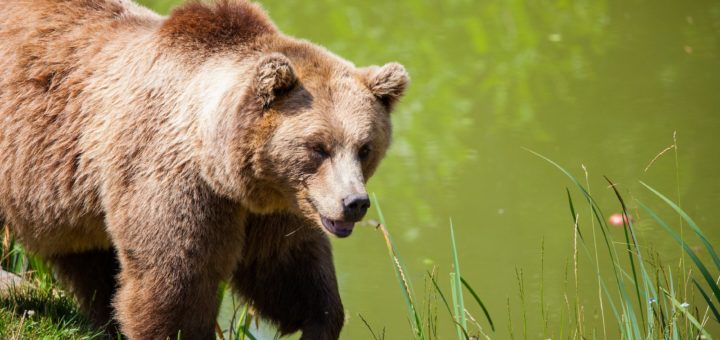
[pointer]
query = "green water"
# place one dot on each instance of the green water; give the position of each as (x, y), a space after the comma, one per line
(604, 84)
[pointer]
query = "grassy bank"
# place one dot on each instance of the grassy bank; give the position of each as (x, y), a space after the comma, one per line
(41, 312)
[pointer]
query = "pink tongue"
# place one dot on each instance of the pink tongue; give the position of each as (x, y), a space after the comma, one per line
(339, 228)
(344, 225)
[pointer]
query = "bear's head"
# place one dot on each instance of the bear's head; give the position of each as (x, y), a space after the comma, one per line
(308, 133)
(330, 127)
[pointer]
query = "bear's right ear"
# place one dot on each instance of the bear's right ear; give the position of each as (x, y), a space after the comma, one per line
(274, 76)
(387, 83)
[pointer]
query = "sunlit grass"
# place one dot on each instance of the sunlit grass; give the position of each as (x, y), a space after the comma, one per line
(424, 325)
(37, 310)
(640, 293)
(643, 311)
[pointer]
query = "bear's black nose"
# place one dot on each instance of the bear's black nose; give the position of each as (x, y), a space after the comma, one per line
(355, 206)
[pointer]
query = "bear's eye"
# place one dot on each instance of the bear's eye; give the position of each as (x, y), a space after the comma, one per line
(320, 151)
(364, 152)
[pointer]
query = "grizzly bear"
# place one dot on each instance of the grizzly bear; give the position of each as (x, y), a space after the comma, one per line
(149, 158)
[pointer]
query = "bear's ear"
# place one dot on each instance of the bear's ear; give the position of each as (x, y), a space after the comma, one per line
(274, 76)
(387, 83)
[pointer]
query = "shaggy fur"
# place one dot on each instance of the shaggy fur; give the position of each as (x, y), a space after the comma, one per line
(149, 158)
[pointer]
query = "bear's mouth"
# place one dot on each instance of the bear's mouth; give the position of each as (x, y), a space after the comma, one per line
(338, 228)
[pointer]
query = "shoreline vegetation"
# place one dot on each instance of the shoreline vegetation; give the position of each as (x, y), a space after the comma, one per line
(638, 296)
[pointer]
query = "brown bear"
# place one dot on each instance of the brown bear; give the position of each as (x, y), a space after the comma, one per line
(148, 158)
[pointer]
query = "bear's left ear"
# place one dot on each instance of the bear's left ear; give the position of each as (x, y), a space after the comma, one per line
(274, 76)
(387, 83)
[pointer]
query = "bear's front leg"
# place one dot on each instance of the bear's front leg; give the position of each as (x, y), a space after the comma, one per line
(162, 303)
(174, 248)
(287, 273)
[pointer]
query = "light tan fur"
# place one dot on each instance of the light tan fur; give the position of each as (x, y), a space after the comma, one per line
(165, 145)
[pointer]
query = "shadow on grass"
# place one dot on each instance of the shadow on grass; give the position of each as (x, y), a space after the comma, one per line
(30, 312)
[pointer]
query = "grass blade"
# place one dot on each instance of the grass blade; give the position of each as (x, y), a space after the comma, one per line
(676, 335)
(244, 322)
(707, 299)
(461, 330)
(693, 225)
(703, 270)
(367, 325)
(479, 302)
(458, 302)
(445, 302)
(597, 213)
(647, 282)
(607, 238)
(405, 285)
(689, 316)
(634, 272)
(574, 214)
(442, 296)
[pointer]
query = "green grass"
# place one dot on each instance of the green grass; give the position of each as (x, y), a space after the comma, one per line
(649, 314)
(640, 291)
(424, 321)
(38, 311)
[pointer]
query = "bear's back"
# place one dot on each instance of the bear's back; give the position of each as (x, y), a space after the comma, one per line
(46, 56)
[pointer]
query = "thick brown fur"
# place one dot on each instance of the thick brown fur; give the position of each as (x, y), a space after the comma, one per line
(182, 151)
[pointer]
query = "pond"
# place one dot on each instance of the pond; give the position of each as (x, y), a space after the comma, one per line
(604, 85)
